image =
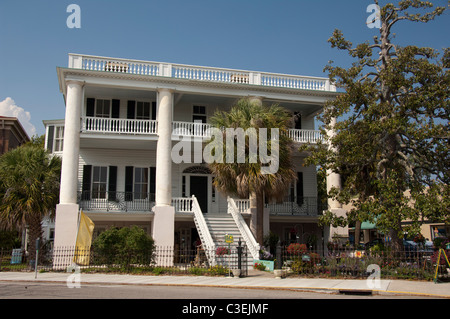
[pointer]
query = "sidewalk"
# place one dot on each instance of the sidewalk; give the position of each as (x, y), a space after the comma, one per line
(254, 280)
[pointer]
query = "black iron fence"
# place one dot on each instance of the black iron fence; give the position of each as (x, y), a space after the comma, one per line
(161, 260)
(295, 259)
(350, 263)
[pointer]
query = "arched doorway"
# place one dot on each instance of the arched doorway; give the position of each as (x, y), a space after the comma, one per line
(198, 181)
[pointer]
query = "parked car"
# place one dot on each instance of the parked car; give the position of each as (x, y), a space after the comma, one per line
(413, 246)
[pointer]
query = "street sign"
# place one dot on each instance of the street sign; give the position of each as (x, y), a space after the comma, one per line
(229, 239)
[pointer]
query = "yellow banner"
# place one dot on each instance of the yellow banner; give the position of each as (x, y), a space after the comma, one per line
(84, 240)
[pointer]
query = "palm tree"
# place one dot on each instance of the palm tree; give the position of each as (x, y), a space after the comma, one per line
(247, 179)
(29, 188)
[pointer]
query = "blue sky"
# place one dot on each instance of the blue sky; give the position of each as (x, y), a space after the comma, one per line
(283, 36)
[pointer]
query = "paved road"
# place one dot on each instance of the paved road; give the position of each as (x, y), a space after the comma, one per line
(39, 290)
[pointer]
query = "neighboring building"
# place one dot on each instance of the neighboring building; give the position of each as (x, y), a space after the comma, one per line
(12, 134)
(122, 119)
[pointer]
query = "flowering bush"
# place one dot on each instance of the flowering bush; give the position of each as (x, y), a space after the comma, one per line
(259, 266)
(265, 255)
(220, 251)
(296, 249)
(442, 260)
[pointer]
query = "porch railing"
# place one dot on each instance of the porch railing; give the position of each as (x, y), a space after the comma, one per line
(191, 129)
(305, 206)
(305, 136)
(112, 201)
(150, 127)
(118, 126)
(183, 205)
(243, 205)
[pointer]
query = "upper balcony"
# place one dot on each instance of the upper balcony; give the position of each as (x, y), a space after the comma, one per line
(199, 73)
(134, 127)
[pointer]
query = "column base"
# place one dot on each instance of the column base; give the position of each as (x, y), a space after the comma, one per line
(66, 225)
(163, 234)
(164, 226)
(66, 229)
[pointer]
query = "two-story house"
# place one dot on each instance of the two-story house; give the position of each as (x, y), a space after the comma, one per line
(123, 118)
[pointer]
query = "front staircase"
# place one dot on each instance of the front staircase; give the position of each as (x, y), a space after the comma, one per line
(220, 225)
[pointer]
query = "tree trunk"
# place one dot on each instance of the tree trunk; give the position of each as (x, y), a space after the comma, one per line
(260, 218)
(357, 233)
(34, 233)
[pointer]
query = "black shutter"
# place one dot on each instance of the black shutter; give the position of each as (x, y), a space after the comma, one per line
(131, 110)
(51, 134)
(90, 107)
(300, 197)
(86, 188)
(298, 121)
(152, 183)
(115, 111)
(112, 186)
(129, 183)
(153, 115)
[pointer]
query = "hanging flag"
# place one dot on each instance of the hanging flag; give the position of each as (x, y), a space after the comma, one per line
(84, 240)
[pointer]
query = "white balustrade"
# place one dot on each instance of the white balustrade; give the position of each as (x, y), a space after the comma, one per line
(295, 82)
(198, 73)
(149, 127)
(119, 126)
(93, 63)
(182, 205)
(243, 205)
(305, 136)
(191, 129)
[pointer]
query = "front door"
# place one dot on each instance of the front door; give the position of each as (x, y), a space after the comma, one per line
(199, 188)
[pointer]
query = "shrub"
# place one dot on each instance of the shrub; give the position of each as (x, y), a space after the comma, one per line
(221, 251)
(218, 270)
(124, 246)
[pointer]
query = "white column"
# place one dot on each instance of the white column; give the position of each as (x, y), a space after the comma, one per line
(66, 221)
(163, 227)
(69, 168)
(334, 180)
(164, 149)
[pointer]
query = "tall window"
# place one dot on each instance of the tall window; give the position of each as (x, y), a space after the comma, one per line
(59, 139)
(99, 182)
(142, 110)
(199, 114)
(103, 108)
(140, 183)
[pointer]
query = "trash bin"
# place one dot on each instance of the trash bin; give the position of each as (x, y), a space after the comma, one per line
(16, 257)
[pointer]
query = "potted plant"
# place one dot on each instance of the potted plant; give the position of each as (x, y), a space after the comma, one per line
(266, 259)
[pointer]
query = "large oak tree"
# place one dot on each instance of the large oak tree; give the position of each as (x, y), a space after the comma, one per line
(392, 132)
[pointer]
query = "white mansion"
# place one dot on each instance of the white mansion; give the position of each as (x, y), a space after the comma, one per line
(116, 143)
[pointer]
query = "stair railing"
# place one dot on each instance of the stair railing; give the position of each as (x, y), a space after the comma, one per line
(203, 232)
(246, 233)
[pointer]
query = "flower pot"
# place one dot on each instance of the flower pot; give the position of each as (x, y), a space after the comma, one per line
(268, 263)
(236, 273)
(278, 273)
